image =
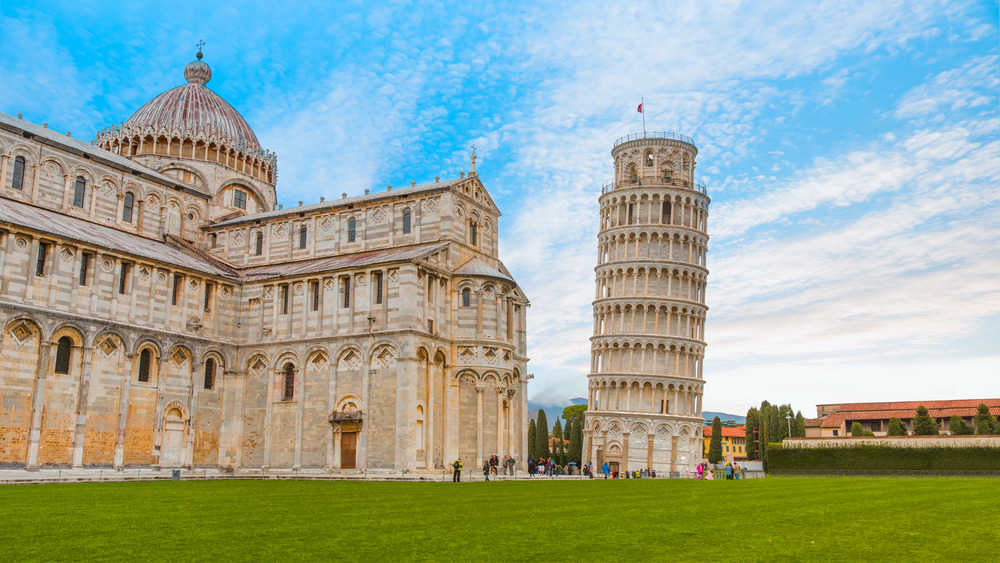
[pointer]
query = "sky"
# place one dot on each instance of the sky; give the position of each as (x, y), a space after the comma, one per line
(850, 149)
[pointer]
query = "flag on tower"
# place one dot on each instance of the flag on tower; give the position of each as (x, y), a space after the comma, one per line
(640, 108)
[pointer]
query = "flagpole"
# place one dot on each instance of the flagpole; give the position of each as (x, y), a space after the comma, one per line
(642, 103)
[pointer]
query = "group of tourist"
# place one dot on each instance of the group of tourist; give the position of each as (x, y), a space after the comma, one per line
(733, 472)
(636, 474)
(494, 466)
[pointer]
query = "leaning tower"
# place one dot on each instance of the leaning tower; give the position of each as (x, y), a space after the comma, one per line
(645, 381)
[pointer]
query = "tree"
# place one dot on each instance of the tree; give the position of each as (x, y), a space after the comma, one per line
(730, 424)
(896, 427)
(958, 426)
(576, 442)
(715, 446)
(573, 412)
(986, 423)
(557, 449)
(923, 424)
(857, 430)
(531, 437)
(753, 424)
(541, 435)
(799, 427)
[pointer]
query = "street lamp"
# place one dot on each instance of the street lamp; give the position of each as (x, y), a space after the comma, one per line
(789, 426)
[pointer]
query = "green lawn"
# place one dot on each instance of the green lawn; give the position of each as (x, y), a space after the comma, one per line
(625, 520)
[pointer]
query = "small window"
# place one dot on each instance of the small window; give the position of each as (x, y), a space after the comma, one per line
(284, 299)
(209, 373)
(352, 229)
(303, 236)
(63, 349)
(649, 157)
(314, 289)
(43, 252)
(209, 292)
(466, 297)
(127, 207)
(175, 293)
(78, 191)
(84, 266)
(259, 250)
(144, 358)
(631, 213)
(665, 214)
(346, 283)
(240, 199)
(407, 217)
(289, 383)
(213, 239)
(18, 181)
(473, 234)
(836, 433)
(123, 278)
(377, 286)
(430, 326)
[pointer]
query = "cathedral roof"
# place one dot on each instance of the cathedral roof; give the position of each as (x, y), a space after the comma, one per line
(193, 105)
(330, 263)
(72, 228)
(476, 267)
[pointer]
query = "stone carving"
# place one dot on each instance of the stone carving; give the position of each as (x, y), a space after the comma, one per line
(66, 254)
(21, 244)
(378, 215)
(107, 264)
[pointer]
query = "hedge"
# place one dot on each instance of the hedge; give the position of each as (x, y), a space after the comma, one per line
(867, 457)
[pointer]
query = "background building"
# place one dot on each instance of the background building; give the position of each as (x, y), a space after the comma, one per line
(645, 384)
(733, 442)
(837, 419)
(158, 309)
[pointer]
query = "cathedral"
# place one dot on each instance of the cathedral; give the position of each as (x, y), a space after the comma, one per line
(159, 308)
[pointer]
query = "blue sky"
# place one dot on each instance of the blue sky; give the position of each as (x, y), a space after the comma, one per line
(850, 148)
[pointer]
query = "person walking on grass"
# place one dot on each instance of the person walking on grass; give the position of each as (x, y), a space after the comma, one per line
(701, 471)
(456, 470)
(486, 470)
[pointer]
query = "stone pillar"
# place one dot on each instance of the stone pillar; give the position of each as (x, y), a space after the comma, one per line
(300, 396)
(625, 436)
(269, 409)
(161, 400)
(123, 411)
(3, 170)
(38, 400)
(36, 175)
(649, 453)
(82, 395)
(479, 426)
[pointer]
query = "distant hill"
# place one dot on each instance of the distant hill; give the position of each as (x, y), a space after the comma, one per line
(552, 412)
(709, 416)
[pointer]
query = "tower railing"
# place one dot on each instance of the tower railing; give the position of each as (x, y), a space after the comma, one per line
(656, 135)
(654, 181)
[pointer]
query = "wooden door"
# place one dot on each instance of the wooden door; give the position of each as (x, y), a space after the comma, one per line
(348, 450)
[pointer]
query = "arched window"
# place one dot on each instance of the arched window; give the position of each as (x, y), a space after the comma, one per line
(288, 387)
(352, 229)
(303, 236)
(210, 373)
(649, 157)
(144, 358)
(18, 180)
(466, 297)
(406, 221)
(665, 215)
(78, 191)
(63, 348)
(473, 233)
(259, 250)
(127, 207)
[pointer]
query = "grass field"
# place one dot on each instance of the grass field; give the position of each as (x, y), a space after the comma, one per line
(624, 520)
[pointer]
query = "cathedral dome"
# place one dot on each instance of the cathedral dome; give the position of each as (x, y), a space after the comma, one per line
(193, 105)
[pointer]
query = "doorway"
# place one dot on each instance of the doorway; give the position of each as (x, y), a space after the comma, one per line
(348, 450)
(171, 454)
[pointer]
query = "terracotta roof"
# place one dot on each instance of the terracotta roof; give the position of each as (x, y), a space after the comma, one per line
(839, 418)
(73, 228)
(476, 267)
(331, 204)
(329, 263)
(814, 422)
(912, 405)
(737, 432)
(78, 147)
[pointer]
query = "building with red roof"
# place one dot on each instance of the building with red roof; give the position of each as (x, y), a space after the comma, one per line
(837, 419)
(733, 442)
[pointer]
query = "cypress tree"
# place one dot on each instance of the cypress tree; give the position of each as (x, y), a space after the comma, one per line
(896, 427)
(531, 437)
(799, 427)
(958, 426)
(541, 436)
(986, 423)
(715, 446)
(764, 436)
(923, 424)
(576, 442)
(753, 423)
(557, 450)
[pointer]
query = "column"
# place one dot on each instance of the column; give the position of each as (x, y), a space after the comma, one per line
(81, 405)
(123, 411)
(624, 464)
(38, 400)
(479, 426)
(3, 169)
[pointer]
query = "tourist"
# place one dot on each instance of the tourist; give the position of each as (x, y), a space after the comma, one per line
(729, 472)
(456, 471)
(701, 471)
(486, 470)
(606, 469)
(710, 474)
(736, 471)
(531, 466)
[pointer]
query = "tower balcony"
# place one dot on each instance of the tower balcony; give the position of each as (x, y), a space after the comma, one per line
(655, 182)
